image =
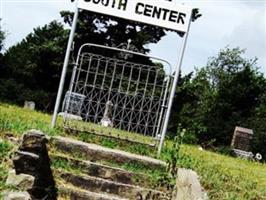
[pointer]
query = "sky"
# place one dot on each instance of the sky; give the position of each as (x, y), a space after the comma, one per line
(233, 23)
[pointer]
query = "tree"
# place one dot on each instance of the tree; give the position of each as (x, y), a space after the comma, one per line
(237, 86)
(112, 31)
(2, 38)
(193, 98)
(35, 64)
(225, 94)
(257, 122)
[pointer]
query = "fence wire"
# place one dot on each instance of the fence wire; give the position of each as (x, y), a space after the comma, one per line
(132, 96)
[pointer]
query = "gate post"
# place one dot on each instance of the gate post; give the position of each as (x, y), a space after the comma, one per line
(64, 70)
(173, 88)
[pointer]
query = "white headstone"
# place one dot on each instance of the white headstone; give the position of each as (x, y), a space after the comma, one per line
(29, 105)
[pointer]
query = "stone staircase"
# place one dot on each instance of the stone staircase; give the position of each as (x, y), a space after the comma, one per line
(92, 172)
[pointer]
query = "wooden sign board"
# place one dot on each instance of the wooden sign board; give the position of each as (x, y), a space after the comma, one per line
(159, 13)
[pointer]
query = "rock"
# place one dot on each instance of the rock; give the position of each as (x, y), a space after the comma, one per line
(9, 137)
(106, 122)
(13, 140)
(70, 116)
(16, 196)
(95, 152)
(25, 162)
(32, 158)
(33, 141)
(188, 186)
(21, 181)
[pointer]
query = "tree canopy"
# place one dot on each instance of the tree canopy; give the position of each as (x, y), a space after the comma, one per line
(2, 37)
(35, 63)
(229, 91)
(32, 67)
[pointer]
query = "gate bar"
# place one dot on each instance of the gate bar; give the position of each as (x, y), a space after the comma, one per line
(173, 89)
(64, 70)
(70, 41)
(125, 51)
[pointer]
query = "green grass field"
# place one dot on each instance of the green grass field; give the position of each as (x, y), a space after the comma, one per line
(223, 177)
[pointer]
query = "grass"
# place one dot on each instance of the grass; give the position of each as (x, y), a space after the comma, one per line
(20, 120)
(67, 163)
(116, 133)
(59, 163)
(223, 177)
(5, 148)
(17, 120)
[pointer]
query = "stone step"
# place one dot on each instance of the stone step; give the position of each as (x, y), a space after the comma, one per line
(102, 186)
(151, 143)
(95, 152)
(67, 192)
(105, 172)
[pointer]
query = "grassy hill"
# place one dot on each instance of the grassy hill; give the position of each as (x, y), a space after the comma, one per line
(223, 177)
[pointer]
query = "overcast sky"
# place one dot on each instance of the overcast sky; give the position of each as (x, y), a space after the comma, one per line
(233, 23)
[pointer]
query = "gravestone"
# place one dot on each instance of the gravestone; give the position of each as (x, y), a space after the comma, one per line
(73, 103)
(106, 120)
(188, 186)
(242, 139)
(29, 105)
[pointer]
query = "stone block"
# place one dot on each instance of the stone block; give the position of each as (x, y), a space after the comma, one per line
(188, 186)
(21, 181)
(17, 196)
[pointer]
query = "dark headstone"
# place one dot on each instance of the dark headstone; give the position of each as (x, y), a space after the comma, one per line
(242, 139)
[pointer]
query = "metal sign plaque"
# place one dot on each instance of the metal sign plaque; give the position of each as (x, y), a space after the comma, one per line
(159, 13)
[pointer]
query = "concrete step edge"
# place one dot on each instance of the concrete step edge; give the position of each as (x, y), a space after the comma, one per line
(94, 152)
(104, 171)
(97, 185)
(117, 137)
(74, 193)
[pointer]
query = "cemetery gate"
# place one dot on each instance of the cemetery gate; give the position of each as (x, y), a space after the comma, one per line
(115, 92)
(121, 100)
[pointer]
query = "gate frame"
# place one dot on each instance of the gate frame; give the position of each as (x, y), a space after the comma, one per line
(173, 86)
(169, 77)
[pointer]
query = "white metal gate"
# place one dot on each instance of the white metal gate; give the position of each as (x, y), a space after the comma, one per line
(122, 94)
